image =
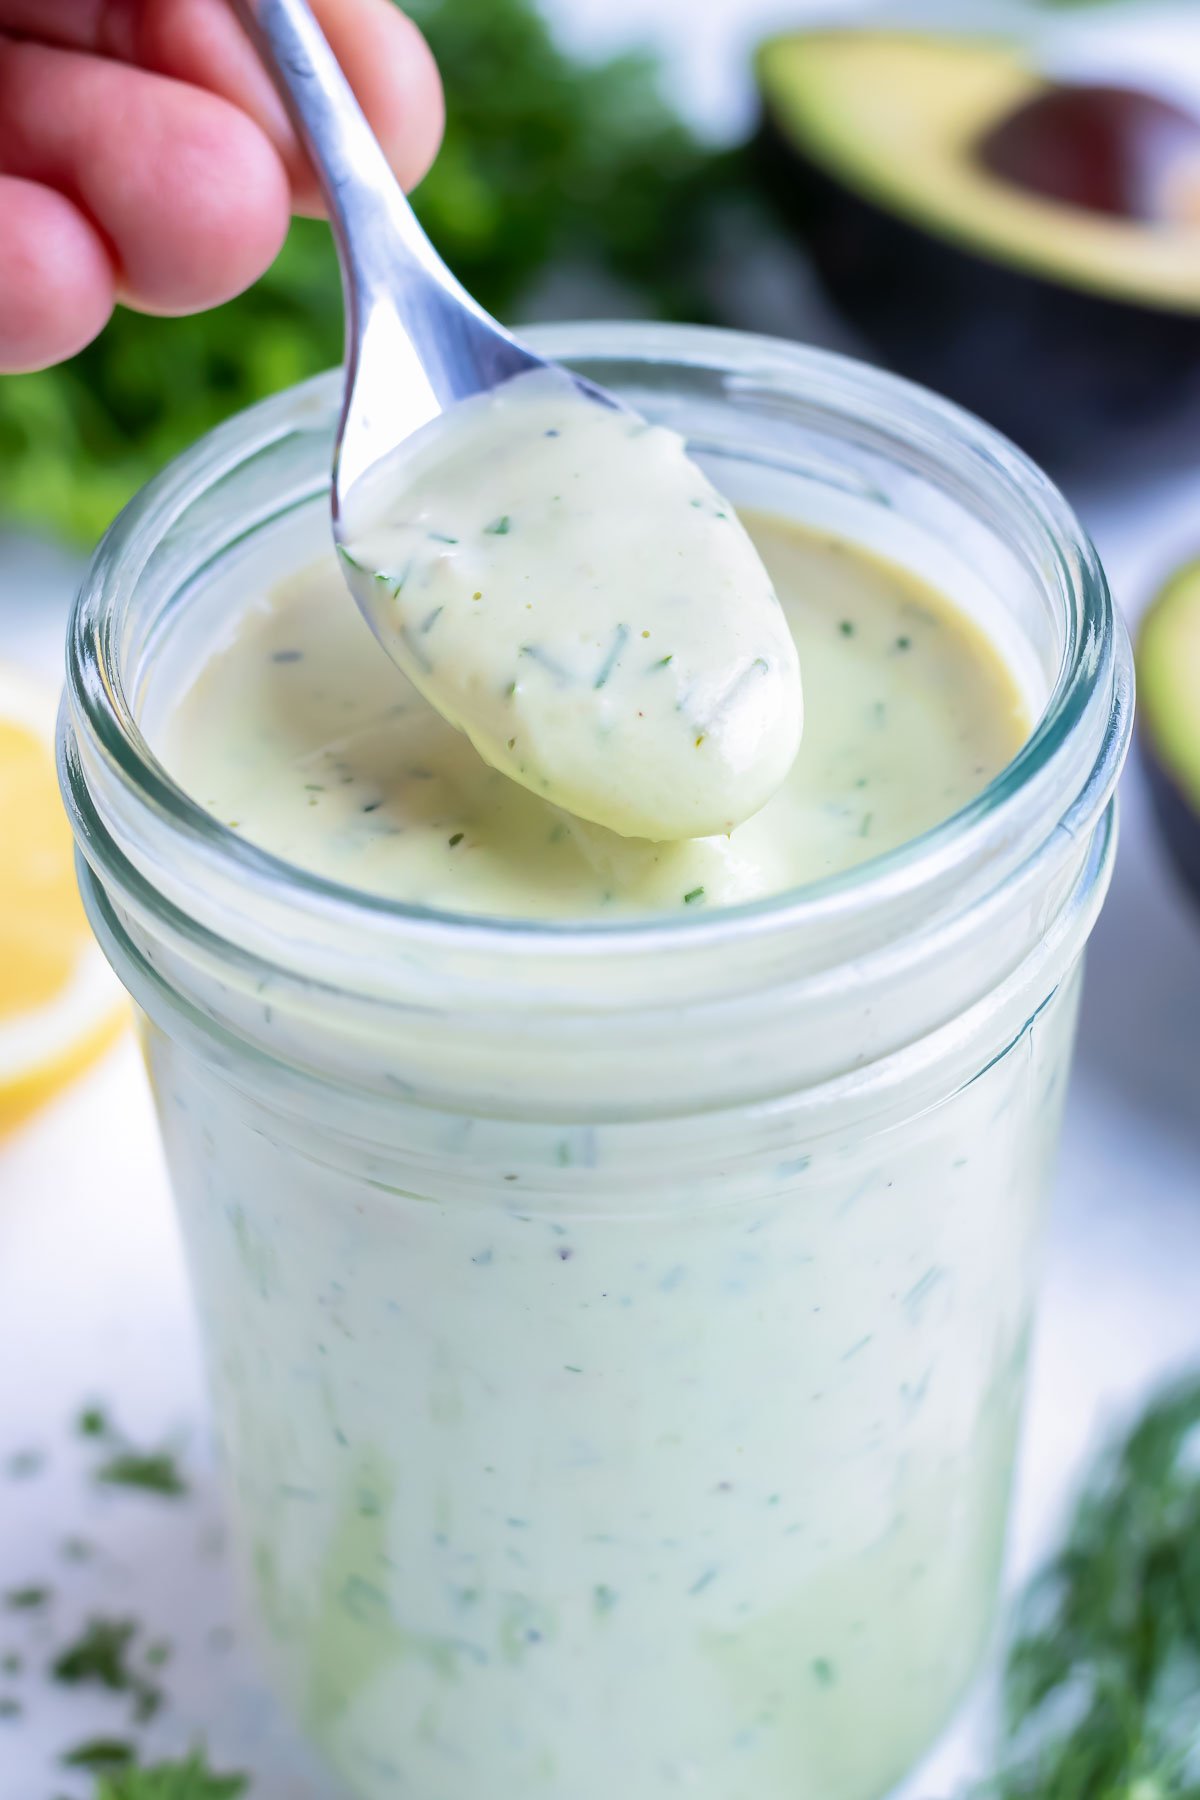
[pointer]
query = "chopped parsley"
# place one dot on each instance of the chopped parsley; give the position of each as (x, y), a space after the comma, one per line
(98, 1655)
(100, 1755)
(26, 1599)
(154, 1473)
(696, 894)
(499, 527)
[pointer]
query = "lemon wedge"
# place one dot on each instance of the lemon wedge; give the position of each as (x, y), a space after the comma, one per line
(60, 1004)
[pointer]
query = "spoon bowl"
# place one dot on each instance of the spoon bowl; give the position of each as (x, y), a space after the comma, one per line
(558, 578)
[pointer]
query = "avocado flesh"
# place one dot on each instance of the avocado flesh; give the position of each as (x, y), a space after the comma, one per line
(899, 118)
(1076, 332)
(1168, 670)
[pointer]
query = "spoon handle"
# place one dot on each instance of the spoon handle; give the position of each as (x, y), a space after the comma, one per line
(416, 341)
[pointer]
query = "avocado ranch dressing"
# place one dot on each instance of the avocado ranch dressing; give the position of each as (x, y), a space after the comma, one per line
(556, 1476)
(564, 584)
(301, 736)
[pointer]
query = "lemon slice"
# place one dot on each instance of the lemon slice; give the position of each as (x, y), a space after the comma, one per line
(60, 1004)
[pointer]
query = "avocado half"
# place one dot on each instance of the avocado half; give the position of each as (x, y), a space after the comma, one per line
(1168, 672)
(1031, 250)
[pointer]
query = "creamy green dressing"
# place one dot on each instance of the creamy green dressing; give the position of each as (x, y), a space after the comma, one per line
(563, 584)
(300, 735)
(567, 1456)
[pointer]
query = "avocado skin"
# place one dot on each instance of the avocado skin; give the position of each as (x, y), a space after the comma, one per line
(1070, 375)
(1167, 655)
(1178, 819)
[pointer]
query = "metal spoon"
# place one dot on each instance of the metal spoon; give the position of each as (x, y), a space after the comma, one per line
(580, 717)
(416, 341)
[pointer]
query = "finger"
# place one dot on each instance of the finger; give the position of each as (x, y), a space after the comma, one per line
(187, 192)
(109, 27)
(386, 60)
(56, 281)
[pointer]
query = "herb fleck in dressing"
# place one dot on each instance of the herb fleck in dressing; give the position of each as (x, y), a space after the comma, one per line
(301, 735)
(563, 584)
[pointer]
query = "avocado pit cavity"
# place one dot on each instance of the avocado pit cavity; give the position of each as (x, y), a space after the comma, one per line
(1114, 150)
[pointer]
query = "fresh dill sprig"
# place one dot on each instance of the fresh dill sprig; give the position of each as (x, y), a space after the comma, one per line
(192, 1779)
(1102, 1687)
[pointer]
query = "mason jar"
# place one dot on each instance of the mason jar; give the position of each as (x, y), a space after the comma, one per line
(616, 1332)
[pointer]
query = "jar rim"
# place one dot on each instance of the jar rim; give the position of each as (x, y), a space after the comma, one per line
(1094, 679)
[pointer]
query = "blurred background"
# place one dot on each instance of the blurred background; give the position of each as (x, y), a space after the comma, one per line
(684, 166)
(739, 162)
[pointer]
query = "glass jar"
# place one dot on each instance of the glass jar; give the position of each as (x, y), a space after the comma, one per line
(616, 1332)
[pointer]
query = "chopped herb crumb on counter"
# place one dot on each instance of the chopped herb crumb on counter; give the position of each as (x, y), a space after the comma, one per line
(562, 582)
(111, 1668)
(302, 733)
(1109, 1618)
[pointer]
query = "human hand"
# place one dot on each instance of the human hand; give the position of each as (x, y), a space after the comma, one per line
(145, 156)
